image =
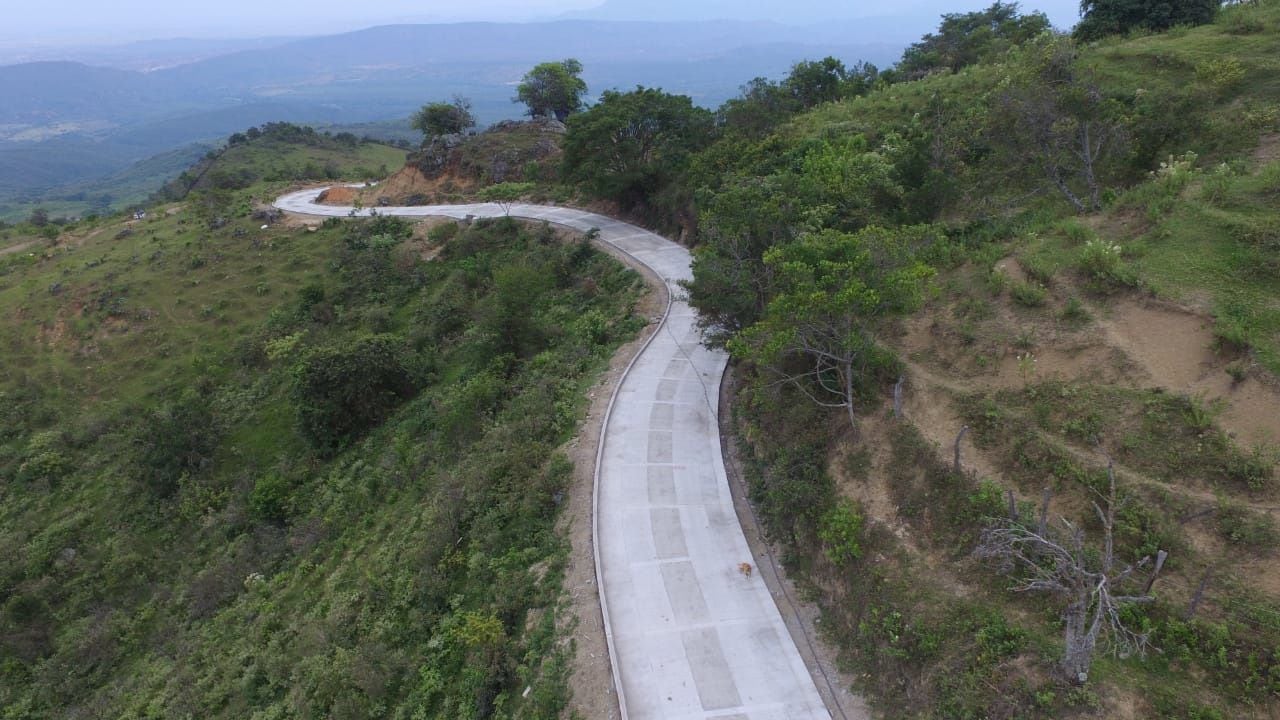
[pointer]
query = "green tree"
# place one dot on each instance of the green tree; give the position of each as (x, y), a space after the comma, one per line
(342, 391)
(631, 145)
(1115, 17)
(763, 105)
(849, 184)
(740, 222)
(177, 439)
(444, 118)
(813, 82)
(965, 39)
(833, 290)
(1053, 120)
(553, 89)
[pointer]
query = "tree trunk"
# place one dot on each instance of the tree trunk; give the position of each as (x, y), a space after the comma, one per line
(848, 397)
(1078, 656)
(1087, 155)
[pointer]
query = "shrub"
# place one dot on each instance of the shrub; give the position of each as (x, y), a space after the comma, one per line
(271, 497)
(1074, 312)
(44, 458)
(1239, 525)
(1254, 469)
(1243, 21)
(177, 439)
(343, 391)
(1231, 335)
(996, 281)
(1076, 231)
(986, 501)
(1029, 294)
(841, 533)
(506, 192)
(1217, 184)
(1104, 267)
(1221, 74)
(443, 233)
(1038, 269)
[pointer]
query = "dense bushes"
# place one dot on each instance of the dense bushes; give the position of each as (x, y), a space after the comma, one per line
(344, 390)
(345, 525)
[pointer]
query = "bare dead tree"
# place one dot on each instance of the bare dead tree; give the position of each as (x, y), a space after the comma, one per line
(1054, 559)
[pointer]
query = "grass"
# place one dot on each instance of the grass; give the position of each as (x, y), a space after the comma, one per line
(1224, 253)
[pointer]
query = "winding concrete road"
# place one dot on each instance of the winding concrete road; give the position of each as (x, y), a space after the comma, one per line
(691, 633)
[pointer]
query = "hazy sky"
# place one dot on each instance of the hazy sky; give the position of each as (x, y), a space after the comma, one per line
(124, 20)
(134, 19)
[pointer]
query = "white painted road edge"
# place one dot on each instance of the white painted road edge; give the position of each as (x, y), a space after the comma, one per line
(692, 634)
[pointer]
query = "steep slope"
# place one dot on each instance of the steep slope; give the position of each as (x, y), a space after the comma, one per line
(1136, 332)
(289, 470)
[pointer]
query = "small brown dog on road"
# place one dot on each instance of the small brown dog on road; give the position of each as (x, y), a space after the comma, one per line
(745, 569)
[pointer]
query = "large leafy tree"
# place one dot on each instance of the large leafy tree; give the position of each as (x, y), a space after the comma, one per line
(764, 104)
(833, 290)
(964, 39)
(848, 184)
(631, 145)
(740, 222)
(553, 89)
(444, 118)
(1115, 17)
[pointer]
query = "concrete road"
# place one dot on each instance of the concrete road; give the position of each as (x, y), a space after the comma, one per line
(692, 633)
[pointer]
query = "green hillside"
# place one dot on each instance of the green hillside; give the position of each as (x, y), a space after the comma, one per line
(1005, 321)
(1064, 339)
(1062, 258)
(279, 152)
(290, 472)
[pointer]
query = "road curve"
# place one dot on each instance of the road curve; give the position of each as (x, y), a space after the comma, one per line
(691, 635)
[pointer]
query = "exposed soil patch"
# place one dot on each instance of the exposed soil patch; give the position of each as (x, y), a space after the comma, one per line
(1268, 150)
(1010, 267)
(338, 195)
(1172, 348)
(1252, 411)
(1135, 342)
(409, 186)
(17, 248)
(931, 410)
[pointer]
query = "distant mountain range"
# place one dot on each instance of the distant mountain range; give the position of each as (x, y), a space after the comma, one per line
(144, 55)
(65, 123)
(905, 15)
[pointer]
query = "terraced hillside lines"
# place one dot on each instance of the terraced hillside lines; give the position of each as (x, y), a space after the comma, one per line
(692, 632)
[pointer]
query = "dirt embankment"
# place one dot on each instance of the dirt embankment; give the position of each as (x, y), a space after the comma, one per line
(450, 168)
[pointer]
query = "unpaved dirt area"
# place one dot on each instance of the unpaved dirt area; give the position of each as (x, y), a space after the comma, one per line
(12, 249)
